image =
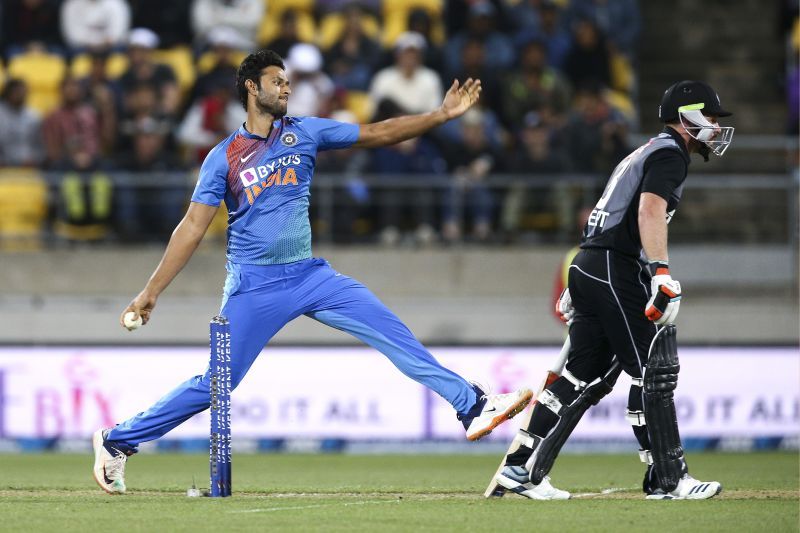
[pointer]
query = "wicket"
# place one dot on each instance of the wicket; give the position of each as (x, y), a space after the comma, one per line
(220, 438)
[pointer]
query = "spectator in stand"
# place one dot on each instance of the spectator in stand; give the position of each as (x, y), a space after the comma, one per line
(537, 153)
(167, 19)
(481, 26)
(71, 133)
(209, 120)
(525, 15)
(619, 20)
(141, 112)
(337, 6)
(419, 21)
(471, 162)
(417, 156)
(224, 42)
(534, 86)
(550, 30)
(150, 149)
(24, 21)
(143, 69)
(351, 198)
(538, 150)
(244, 16)
(353, 57)
(141, 126)
(152, 209)
(288, 35)
(312, 89)
(596, 133)
(105, 96)
(588, 60)
(457, 13)
(474, 65)
(72, 143)
(95, 23)
(20, 127)
(414, 87)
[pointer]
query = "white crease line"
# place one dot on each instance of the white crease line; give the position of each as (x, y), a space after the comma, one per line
(297, 507)
(601, 493)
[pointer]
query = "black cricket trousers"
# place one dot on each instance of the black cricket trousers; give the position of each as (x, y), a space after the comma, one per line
(609, 292)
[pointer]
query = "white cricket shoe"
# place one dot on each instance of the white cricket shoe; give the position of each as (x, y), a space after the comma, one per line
(109, 464)
(518, 480)
(688, 489)
(491, 410)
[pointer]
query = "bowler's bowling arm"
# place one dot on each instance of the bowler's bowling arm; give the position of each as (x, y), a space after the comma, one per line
(182, 244)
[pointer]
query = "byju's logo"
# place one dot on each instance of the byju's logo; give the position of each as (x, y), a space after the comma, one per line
(248, 176)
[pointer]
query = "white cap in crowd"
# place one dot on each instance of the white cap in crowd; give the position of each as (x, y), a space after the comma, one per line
(143, 38)
(227, 36)
(410, 39)
(304, 57)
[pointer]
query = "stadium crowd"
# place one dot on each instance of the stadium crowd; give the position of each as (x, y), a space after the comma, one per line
(106, 97)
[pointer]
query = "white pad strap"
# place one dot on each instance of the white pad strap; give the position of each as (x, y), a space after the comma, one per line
(523, 438)
(579, 385)
(550, 400)
(638, 382)
(646, 457)
(635, 418)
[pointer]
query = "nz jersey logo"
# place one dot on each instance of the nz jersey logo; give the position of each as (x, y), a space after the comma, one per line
(289, 139)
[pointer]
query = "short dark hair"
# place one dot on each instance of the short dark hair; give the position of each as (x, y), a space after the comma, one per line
(11, 85)
(251, 68)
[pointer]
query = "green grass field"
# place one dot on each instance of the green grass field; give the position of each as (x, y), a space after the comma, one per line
(389, 493)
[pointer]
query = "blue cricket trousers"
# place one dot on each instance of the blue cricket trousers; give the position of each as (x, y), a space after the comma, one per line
(259, 300)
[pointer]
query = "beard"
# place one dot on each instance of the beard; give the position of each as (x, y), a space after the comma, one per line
(276, 107)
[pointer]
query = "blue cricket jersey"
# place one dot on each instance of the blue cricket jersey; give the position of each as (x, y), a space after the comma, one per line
(265, 183)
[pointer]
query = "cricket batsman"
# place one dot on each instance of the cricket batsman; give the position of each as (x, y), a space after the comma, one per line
(625, 302)
(262, 172)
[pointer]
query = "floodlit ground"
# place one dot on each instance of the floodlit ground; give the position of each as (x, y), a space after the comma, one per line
(390, 493)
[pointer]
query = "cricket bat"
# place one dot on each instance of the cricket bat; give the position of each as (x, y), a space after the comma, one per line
(494, 488)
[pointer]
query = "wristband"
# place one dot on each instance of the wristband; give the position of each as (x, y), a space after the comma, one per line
(658, 268)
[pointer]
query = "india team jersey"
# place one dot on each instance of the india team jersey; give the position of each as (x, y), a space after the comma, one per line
(265, 183)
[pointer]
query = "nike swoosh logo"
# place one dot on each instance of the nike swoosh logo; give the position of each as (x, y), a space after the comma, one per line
(244, 159)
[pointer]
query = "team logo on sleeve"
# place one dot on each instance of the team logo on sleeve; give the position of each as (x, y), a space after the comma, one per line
(289, 139)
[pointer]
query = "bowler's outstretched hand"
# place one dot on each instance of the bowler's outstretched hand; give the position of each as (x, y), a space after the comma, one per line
(461, 97)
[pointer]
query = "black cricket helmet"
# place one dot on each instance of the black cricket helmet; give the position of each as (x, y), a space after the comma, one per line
(690, 102)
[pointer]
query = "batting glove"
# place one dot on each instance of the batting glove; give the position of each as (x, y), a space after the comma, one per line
(564, 308)
(666, 295)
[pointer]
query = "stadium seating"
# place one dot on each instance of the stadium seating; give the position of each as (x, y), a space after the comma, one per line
(332, 25)
(43, 72)
(395, 18)
(270, 24)
(85, 204)
(23, 208)
(218, 228)
(181, 60)
(360, 104)
(207, 60)
(116, 65)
